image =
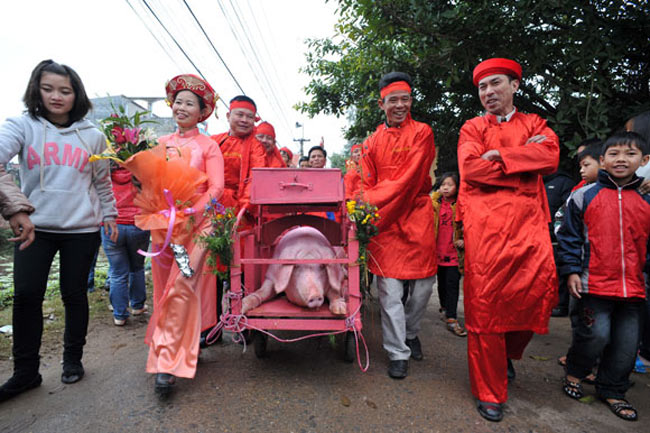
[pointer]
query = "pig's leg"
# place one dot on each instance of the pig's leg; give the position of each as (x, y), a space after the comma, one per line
(337, 303)
(258, 297)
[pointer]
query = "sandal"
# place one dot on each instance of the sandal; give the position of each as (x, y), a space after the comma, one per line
(454, 326)
(619, 405)
(562, 361)
(572, 389)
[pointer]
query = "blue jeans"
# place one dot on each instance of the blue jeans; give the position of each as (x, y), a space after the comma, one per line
(608, 328)
(126, 269)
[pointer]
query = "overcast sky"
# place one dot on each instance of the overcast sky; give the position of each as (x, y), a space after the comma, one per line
(110, 47)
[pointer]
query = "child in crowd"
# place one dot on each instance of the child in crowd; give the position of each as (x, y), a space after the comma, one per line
(603, 248)
(589, 162)
(449, 247)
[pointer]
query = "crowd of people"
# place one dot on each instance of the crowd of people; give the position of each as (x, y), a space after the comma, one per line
(488, 224)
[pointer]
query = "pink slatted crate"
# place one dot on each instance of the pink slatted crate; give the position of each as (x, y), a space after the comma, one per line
(272, 186)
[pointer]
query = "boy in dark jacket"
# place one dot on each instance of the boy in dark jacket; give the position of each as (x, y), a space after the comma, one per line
(603, 250)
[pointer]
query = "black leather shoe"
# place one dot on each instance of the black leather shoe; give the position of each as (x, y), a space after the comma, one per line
(398, 369)
(511, 371)
(13, 386)
(164, 383)
(559, 312)
(416, 348)
(490, 411)
(72, 373)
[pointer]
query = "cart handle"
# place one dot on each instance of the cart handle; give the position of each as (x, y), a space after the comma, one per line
(307, 186)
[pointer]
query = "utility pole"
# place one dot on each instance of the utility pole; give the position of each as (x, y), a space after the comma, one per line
(303, 139)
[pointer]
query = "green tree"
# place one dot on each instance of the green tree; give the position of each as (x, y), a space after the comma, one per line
(586, 63)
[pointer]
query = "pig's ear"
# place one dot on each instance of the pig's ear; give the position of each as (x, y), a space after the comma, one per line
(282, 276)
(335, 275)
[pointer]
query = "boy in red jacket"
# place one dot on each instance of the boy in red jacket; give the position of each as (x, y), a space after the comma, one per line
(603, 246)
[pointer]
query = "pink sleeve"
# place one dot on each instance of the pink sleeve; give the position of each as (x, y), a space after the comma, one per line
(214, 170)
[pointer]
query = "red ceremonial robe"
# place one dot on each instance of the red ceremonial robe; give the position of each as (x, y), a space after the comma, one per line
(510, 278)
(395, 166)
(352, 180)
(239, 156)
(274, 159)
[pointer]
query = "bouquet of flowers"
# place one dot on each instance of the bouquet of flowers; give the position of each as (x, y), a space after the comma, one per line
(125, 135)
(364, 216)
(168, 185)
(219, 242)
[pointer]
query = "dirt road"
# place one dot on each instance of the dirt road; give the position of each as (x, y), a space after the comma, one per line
(306, 387)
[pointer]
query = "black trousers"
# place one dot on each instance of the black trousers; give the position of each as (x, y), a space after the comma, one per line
(609, 329)
(448, 289)
(31, 269)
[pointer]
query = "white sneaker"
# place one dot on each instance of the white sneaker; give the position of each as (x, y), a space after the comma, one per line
(110, 307)
(119, 322)
(139, 311)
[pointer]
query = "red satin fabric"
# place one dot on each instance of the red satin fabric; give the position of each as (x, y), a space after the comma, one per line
(352, 180)
(274, 159)
(510, 278)
(395, 166)
(487, 355)
(239, 155)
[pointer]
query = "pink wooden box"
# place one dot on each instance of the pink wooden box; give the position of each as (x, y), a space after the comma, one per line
(296, 186)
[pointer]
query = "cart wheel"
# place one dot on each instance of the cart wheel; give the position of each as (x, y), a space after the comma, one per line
(350, 348)
(259, 344)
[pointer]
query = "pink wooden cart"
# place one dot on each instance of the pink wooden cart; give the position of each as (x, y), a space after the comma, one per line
(283, 197)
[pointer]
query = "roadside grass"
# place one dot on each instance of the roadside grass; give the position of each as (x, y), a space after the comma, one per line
(53, 310)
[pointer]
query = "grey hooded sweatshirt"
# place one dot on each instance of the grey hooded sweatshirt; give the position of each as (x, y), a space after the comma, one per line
(69, 194)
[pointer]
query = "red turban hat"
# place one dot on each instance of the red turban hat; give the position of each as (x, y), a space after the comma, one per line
(196, 85)
(265, 128)
(286, 149)
(355, 147)
(496, 66)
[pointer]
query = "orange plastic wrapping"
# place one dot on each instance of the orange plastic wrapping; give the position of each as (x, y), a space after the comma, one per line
(156, 173)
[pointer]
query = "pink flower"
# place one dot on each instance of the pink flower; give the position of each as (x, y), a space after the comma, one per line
(132, 135)
(118, 133)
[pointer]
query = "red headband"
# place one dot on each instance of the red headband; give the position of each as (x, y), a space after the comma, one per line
(396, 85)
(266, 128)
(243, 104)
(286, 149)
(496, 66)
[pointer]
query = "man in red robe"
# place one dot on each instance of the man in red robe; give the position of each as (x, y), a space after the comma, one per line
(510, 280)
(241, 152)
(396, 161)
(352, 179)
(265, 134)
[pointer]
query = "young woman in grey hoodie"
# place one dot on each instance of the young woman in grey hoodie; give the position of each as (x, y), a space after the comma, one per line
(72, 198)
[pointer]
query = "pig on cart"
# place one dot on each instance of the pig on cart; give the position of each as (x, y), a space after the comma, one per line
(305, 285)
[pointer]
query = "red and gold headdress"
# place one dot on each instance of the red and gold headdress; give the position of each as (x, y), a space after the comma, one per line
(196, 85)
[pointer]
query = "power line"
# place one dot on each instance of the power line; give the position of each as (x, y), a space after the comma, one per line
(272, 98)
(177, 44)
(214, 48)
(153, 35)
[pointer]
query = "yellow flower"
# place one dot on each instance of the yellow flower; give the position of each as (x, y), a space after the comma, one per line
(350, 205)
(365, 220)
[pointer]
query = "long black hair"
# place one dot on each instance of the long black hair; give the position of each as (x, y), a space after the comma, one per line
(32, 98)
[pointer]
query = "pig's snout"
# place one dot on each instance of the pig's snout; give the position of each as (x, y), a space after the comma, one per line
(315, 302)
